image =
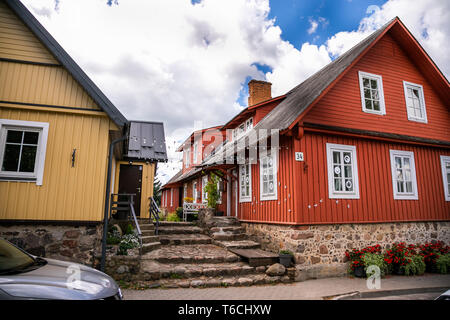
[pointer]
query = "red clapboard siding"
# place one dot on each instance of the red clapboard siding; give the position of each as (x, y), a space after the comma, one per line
(341, 106)
(376, 203)
(275, 211)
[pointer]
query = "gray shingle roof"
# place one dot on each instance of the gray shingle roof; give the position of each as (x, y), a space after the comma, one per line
(146, 141)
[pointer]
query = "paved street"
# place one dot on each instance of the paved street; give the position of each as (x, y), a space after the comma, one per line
(307, 290)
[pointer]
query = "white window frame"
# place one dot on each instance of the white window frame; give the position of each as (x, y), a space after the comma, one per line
(249, 197)
(404, 195)
(188, 158)
(184, 191)
(171, 197)
(194, 156)
(204, 193)
(407, 85)
(332, 194)
(194, 191)
(379, 80)
(274, 196)
(219, 201)
(444, 160)
(38, 174)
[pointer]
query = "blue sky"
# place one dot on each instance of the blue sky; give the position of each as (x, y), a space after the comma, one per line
(294, 18)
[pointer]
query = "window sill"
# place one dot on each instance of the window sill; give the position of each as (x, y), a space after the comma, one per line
(379, 113)
(266, 198)
(243, 200)
(344, 196)
(418, 120)
(405, 197)
(17, 179)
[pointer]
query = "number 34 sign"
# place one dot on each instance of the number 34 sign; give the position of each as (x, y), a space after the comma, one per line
(299, 156)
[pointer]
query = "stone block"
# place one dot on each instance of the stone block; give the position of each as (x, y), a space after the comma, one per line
(276, 269)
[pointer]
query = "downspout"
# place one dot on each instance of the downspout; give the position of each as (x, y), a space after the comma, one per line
(107, 197)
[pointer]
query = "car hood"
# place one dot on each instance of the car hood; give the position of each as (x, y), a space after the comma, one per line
(59, 280)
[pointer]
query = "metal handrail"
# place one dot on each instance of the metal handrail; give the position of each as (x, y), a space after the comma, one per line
(138, 228)
(154, 211)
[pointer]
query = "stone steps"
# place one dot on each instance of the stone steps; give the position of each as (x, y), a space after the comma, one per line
(153, 270)
(150, 239)
(148, 247)
(194, 254)
(224, 222)
(241, 244)
(148, 233)
(174, 223)
(147, 227)
(225, 236)
(183, 239)
(179, 229)
(208, 282)
(232, 229)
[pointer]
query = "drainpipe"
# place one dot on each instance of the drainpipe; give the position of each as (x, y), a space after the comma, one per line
(107, 197)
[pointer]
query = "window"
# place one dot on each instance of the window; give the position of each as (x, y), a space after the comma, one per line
(403, 175)
(242, 129)
(171, 197)
(245, 183)
(22, 150)
(342, 172)
(445, 165)
(195, 153)
(204, 193)
(194, 191)
(415, 102)
(268, 178)
(249, 124)
(188, 158)
(372, 96)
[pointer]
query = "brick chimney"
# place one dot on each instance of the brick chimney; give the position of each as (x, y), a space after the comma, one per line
(259, 91)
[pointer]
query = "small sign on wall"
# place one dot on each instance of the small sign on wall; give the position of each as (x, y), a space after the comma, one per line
(299, 156)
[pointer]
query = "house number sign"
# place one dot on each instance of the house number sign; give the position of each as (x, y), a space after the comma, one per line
(299, 156)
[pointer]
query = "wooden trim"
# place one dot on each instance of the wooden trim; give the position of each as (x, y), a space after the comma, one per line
(392, 137)
(339, 223)
(9, 222)
(44, 64)
(51, 108)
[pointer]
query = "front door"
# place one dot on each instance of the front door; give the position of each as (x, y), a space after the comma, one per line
(130, 181)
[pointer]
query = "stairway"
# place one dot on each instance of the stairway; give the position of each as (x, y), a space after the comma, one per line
(187, 257)
(150, 242)
(228, 233)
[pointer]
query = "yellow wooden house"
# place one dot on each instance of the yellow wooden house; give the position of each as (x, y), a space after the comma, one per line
(56, 127)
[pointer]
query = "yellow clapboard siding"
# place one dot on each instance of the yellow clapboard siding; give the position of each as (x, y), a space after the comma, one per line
(68, 193)
(27, 83)
(18, 42)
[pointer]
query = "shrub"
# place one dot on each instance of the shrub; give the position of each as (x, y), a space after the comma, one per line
(129, 229)
(129, 241)
(398, 257)
(443, 263)
(113, 236)
(431, 252)
(415, 265)
(213, 192)
(179, 212)
(356, 256)
(173, 217)
(286, 252)
(377, 259)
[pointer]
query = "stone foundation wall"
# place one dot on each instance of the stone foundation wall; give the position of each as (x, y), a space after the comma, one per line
(62, 242)
(326, 244)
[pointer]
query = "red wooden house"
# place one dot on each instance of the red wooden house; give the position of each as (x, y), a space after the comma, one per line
(361, 148)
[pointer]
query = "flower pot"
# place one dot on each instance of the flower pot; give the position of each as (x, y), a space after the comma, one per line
(286, 259)
(219, 214)
(359, 272)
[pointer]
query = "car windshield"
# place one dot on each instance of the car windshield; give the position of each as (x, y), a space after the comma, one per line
(13, 259)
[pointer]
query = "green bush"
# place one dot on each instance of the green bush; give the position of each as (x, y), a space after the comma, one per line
(213, 192)
(113, 236)
(173, 217)
(415, 266)
(129, 229)
(129, 241)
(370, 259)
(443, 263)
(179, 212)
(286, 252)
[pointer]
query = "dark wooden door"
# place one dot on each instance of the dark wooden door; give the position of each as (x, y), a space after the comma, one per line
(130, 181)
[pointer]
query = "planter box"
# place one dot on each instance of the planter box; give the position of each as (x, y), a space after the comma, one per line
(286, 260)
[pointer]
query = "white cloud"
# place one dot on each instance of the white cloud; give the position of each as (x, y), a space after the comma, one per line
(177, 62)
(314, 25)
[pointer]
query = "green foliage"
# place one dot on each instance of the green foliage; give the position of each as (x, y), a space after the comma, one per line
(113, 236)
(415, 266)
(370, 259)
(213, 192)
(443, 263)
(129, 241)
(286, 252)
(157, 190)
(129, 229)
(173, 217)
(179, 212)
